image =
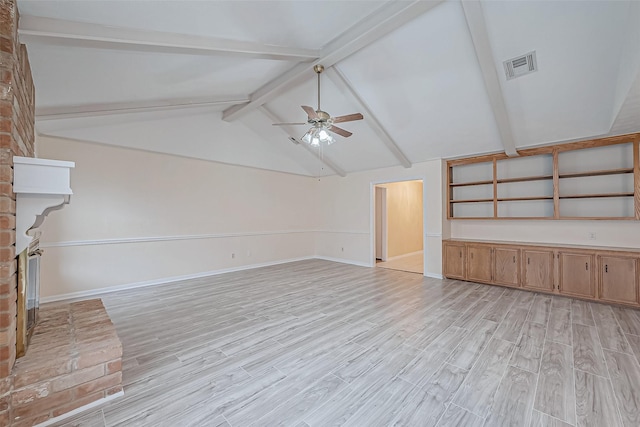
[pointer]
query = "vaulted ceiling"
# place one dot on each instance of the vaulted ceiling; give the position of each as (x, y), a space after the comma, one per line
(206, 79)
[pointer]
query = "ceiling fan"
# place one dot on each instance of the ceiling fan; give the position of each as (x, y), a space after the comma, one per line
(321, 122)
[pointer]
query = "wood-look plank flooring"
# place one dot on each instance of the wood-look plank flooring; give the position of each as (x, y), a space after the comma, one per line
(316, 343)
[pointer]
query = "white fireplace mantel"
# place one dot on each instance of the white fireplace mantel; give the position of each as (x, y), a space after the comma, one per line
(41, 186)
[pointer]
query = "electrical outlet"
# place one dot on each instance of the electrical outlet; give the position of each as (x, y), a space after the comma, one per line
(591, 235)
(342, 249)
(233, 255)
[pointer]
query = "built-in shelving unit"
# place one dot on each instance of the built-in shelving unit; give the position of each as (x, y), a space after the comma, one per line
(589, 272)
(595, 179)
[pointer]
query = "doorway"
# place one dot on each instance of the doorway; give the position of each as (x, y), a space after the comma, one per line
(399, 225)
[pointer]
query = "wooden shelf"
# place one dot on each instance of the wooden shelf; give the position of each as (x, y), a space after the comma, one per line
(531, 182)
(525, 179)
(606, 218)
(464, 184)
(597, 173)
(471, 200)
(596, 196)
(517, 199)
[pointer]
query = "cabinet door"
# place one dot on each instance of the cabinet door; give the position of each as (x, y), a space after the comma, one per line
(618, 279)
(479, 263)
(454, 260)
(538, 269)
(507, 266)
(576, 275)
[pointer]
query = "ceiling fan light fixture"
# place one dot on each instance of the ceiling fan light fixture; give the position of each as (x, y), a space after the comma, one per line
(322, 122)
(318, 135)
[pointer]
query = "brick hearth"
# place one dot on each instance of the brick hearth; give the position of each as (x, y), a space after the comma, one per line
(74, 359)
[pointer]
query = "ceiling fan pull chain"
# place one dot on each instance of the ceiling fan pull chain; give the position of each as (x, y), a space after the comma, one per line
(318, 91)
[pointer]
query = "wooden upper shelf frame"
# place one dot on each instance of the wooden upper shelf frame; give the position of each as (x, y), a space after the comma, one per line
(554, 150)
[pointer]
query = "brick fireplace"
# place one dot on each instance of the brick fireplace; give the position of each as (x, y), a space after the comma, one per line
(17, 115)
(75, 354)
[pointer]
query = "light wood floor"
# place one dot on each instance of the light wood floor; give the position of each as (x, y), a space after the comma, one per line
(316, 343)
(413, 263)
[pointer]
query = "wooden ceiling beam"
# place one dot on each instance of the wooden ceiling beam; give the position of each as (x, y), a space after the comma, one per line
(381, 22)
(345, 87)
(80, 34)
(105, 109)
(480, 37)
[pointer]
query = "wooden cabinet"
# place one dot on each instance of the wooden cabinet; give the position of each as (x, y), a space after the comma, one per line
(597, 274)
(576, 276)
(618, 277)
(506, 266)
(480, 263)
(455, 260)
(537, 269)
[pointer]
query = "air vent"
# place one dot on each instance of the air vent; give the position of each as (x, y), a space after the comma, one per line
(295, 141)
(520, 65)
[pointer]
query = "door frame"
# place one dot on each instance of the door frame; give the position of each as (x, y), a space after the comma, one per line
(381, 197)
(372, 218)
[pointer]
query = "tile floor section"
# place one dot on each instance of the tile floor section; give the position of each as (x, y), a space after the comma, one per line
(316, 343)
(413, 263)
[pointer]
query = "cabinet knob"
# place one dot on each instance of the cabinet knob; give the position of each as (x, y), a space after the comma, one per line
(471, 255)
(586, 266)
(514, 258)
(606, 268)
(460, 254)
(528, 260)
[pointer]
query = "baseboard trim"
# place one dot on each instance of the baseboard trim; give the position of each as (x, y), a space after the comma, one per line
(162, 281)
(344, 261)
(434, 275)
(76, 411)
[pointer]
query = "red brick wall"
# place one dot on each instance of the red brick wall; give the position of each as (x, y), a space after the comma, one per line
(16, 138)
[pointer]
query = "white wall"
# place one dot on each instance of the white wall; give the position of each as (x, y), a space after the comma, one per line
(624, 234)
(345, 207)
(139, 217)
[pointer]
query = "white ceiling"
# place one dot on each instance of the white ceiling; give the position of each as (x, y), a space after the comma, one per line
(206, 79)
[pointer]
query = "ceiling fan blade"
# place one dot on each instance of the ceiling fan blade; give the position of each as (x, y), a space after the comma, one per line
(288, 124)
(310, 112)
(348, 118)
(340, 131)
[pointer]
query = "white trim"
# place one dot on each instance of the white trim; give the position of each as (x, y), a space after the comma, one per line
(344, 261)
(167, 238)
(114, 108)
(343, 231)
(382, 21)
(433, 234)
(75, 33)
(86, 407)
(434, 275)
(393, 258)
(162, 281)
(347, 88)
(480, 37)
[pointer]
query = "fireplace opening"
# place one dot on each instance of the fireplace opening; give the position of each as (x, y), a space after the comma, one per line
(28, 295)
